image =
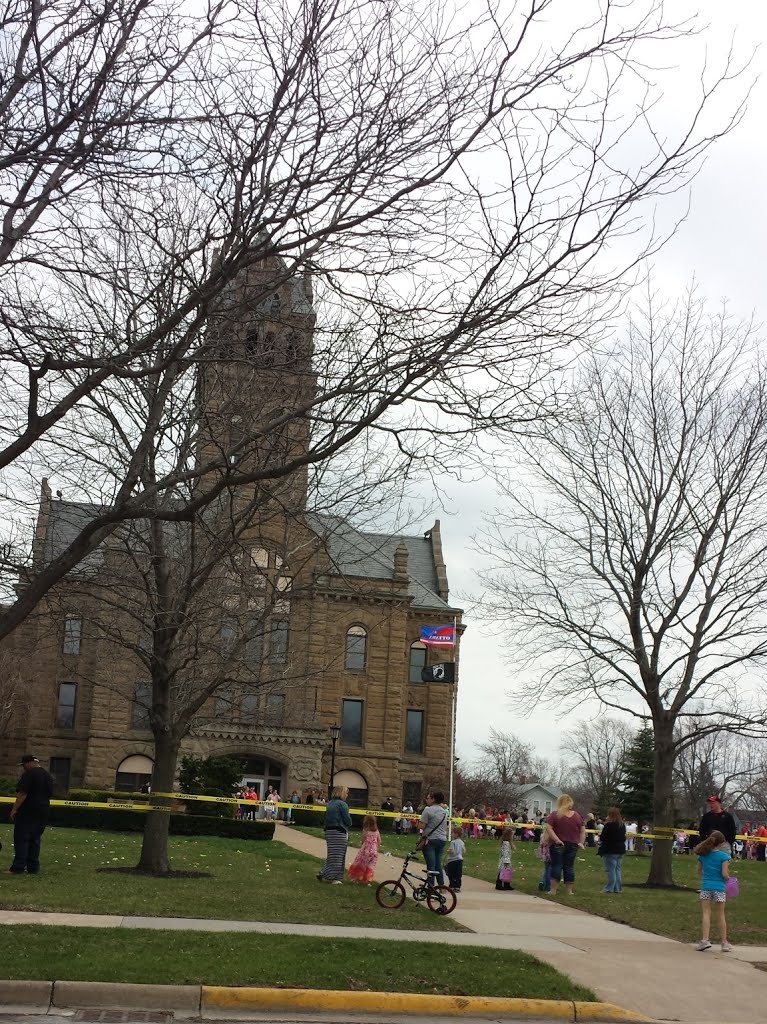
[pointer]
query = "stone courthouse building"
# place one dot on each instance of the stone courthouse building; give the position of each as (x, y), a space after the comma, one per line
(338, 641)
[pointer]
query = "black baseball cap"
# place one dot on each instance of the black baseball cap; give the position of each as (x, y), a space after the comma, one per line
(27, 758)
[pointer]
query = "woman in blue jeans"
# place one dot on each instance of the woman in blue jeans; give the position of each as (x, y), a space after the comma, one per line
(566, 833)
(434, 829)
(612, 846)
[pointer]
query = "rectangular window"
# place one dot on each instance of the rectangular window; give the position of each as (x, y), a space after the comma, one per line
(254, 641)
(228, 636)
(278, 640)
(142, 703)
(536, 806)
(414, 732)
(60, 768)
(73, 632)
(65, 711)
(249, 706)
(223, 705)
(275, 707)
(547, 807)
(351, 723)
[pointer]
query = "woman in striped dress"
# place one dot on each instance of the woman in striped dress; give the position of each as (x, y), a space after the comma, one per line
(337, 824)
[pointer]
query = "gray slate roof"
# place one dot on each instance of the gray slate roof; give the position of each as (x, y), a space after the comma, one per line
(352, 553)
(357, 554)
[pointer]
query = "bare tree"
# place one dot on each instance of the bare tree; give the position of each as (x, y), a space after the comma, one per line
(635, 572)
(13, 689)
(186, 151)
(506, 763)
(722, 762)
(595, 750)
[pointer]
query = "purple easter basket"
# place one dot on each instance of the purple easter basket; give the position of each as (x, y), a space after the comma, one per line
(732, 887)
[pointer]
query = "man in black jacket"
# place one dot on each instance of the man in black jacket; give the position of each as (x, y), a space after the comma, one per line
(29, 815)
(716, 819)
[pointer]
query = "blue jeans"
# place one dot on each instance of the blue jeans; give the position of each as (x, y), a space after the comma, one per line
(454, 870)
(26, 847)
(433, 857)
(612, 862)
(546, 877)
(563, 862)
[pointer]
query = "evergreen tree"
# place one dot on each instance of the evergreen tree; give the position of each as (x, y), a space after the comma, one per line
(635, 792)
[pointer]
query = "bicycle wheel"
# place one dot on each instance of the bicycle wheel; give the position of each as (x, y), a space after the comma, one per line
(390, 895)
(441, 899)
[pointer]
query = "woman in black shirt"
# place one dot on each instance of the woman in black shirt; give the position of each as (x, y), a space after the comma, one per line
(612, 846)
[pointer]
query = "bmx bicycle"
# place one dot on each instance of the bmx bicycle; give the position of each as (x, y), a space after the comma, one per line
(439, 898)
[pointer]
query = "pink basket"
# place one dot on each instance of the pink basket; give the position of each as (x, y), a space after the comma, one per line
(732, 887)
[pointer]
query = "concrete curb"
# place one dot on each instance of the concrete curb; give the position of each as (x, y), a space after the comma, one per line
(239, 999)
(195, 1000)
(184, 1000)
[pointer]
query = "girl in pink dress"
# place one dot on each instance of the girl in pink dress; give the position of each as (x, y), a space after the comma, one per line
(365, 862)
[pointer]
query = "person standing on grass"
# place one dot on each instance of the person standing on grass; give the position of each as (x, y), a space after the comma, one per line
(338, 821)
(363, 868)
(717, 818)
(591, 827)
(503, 880)
(29, 815)
(566, 834)
(761, 847)
(434, 830)
(454, 859)
(714, 869)
(612, 847)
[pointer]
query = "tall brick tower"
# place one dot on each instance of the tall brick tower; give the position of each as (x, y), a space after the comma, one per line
(256, 377)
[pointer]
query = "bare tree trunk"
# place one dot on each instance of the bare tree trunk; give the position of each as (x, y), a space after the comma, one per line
(154, 857)
(661, 873)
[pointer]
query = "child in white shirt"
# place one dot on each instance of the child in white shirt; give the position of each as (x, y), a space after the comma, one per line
(454, 859)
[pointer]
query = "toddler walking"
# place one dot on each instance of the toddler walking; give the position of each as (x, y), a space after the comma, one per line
(364, 864)
(503, 881)
(454, 859)
(714, 868)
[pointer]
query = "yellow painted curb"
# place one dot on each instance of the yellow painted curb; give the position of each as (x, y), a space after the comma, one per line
(223, 998)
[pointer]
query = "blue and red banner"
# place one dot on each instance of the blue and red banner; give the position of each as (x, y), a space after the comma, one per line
(438, 636)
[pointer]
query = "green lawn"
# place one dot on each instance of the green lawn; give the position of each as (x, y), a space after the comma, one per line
(250, 881)
(673, 913)
(289, 961)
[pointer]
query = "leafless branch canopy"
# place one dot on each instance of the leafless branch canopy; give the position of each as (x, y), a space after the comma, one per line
(448, 176)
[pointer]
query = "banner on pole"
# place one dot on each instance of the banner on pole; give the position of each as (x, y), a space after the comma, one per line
(438, 636)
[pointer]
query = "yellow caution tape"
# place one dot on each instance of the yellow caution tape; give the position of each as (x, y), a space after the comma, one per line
(666, 832)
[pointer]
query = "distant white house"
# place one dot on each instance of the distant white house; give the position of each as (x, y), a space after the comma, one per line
(537, 798)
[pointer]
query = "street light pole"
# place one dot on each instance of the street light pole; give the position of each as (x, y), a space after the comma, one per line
(335, 732)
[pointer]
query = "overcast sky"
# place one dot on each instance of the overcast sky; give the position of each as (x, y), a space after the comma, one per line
(721, 244)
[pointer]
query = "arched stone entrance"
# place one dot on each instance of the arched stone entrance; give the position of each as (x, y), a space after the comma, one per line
(261, 772)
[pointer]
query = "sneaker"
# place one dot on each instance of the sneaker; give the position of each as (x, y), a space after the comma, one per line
(703, 944)
(726, 947)
(337, 881)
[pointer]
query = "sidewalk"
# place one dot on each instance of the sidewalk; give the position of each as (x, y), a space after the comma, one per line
(647, 973)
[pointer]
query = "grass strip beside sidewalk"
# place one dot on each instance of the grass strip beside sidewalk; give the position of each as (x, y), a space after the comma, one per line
(290, 961)
(248, 881)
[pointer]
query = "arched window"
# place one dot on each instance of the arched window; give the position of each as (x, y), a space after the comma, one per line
(417, 661)
(134, 772)
(356, 649)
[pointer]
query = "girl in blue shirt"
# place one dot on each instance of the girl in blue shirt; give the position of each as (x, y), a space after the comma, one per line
(714, 868)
